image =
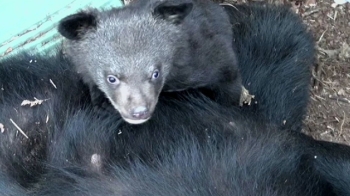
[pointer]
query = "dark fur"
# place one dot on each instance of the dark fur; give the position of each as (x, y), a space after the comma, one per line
(9, 187)
(204, 150)
(240, 154)
(189, 42)
(275, 53)
(26, 77)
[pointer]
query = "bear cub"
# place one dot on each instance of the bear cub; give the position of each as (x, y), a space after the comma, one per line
(128, 56)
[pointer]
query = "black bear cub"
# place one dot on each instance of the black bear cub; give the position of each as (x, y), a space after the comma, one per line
(131, 54)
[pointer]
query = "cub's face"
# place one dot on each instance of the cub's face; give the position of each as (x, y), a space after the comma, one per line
(134, 95)
(128, 53)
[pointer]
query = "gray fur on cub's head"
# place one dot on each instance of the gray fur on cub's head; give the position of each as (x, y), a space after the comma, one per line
(133, 53)
(127, 52)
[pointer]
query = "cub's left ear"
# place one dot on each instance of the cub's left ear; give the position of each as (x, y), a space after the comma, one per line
(174, 13)
(75, 26)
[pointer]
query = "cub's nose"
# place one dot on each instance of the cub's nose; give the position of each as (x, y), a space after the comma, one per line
(140, 112)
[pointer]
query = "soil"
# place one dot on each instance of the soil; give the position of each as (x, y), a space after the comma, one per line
(329, 111)
(328, 115)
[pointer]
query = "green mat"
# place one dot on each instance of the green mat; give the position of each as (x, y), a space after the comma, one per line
(31, 24)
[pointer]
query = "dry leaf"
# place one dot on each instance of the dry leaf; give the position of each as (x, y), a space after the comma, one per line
(344, 51)
(341, 92)
(33, 103)
(8, 50)
(246, 98)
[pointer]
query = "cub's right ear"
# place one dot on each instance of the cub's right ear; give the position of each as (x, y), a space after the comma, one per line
(73, 27)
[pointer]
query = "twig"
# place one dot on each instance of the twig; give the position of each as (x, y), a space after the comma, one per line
(319, 97)
(310, 12)
(20, 130)
(342, 123)
(327, 122)
(324, 133)
(321, 37)
(53, 84)
(346, 140)
(344, 100)
(228, 4)
(335, 15)
(317, 78)
(329, 53)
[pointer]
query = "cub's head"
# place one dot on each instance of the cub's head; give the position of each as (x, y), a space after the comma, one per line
(127, 52)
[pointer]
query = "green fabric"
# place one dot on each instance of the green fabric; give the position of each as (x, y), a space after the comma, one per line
(32, 23)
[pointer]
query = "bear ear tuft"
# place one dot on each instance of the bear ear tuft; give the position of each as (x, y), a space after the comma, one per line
(174, 13)
(74, 26)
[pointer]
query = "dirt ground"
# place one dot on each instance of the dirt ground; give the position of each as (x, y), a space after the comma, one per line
(329, 110)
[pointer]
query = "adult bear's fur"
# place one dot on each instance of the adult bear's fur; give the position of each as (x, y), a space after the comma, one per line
(203, 149)
(183, 124)
(31, 77)
(275, 53)
(9, 187)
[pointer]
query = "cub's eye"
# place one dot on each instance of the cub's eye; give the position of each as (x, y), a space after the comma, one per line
(155, 74)
(112, 79)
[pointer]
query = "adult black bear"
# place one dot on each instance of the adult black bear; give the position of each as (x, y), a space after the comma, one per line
(52, 88)
(10, 187)
(81, 147)
(203, 149)
(275, 53)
